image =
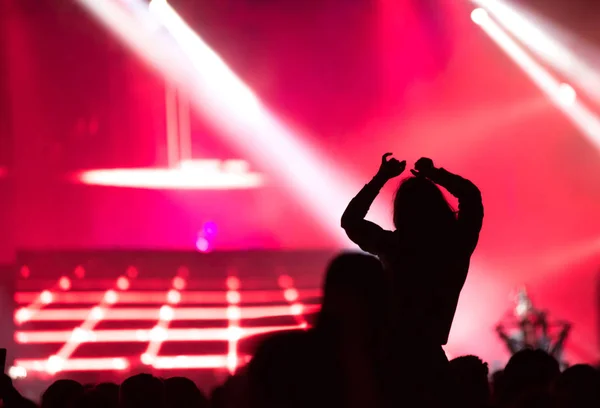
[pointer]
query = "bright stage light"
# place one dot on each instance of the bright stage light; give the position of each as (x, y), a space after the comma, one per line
(123, 283)
(179, 283)
(233, 297)
(546, 40)
(17, 372)
(567, 94)
(180, 178)
(562, 95)
(152, 314)
(46, 297)
(248, 124)
(296, 309)
(173, 296)
(232, 283)
(291, 295)
(55, 364)
(64, 283)
(111, 297)
(479, 15)
(97, 313)
(166, 313)
(234, 313)
(202, 244)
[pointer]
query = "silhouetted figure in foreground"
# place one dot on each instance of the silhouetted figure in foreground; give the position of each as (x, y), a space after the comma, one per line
(182, 392)
(11, 398)
(348, 333)
(336, 363)
(578, 387)
(62, 394)
(469, 375)
(427, 258)
(528, 378)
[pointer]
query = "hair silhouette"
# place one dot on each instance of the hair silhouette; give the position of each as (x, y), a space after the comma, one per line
(420, 207)
(354, 283)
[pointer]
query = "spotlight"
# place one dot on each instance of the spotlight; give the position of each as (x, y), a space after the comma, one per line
(46, 297)
(479, 15)
(64, 283)
(179, 283)
(111, 297)
(202, 244)
(173, 296)
(233, 283)
(566, 94)
(17, 372)
(54, 364)
(123, 283)
(166, 313)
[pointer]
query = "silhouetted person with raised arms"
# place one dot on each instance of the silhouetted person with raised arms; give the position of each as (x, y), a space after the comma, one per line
(427, 260)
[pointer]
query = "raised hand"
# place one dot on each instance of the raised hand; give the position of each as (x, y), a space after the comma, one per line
(390, 168)
(423, 167)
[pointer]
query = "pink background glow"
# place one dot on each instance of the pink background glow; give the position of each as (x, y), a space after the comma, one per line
(359, 81)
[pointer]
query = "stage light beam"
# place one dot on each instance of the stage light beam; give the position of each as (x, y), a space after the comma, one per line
(560, 94)
(546, 41)
(248, 124)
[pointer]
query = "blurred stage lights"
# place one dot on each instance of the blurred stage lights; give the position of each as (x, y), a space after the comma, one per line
(479, 16)
(17, 373)
(566, 94)
(562, 95)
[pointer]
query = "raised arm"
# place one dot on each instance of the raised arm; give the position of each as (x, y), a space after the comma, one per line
(470, 205)
(369, 236)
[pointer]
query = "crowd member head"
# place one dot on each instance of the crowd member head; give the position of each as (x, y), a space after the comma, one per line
(420, 207)
(578, 387)
(528, 373)
(354, 296)
(470, 378)
(62, 394)
(182, 392)
(275, 374)
(104, 395)
(142, 391)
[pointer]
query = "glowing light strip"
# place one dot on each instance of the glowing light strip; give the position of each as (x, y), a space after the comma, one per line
(248, 124)
(159, 297)
(181, 362)
(77, 364)
(233, 325)
(158, 284)
(579, 115)
(193, 362)
(171, 179)
(180, 314)
(142, 335)
(165, 315)
(296, 308)
(44, 298)
(84, 331)
(215, 89)
(140, 33)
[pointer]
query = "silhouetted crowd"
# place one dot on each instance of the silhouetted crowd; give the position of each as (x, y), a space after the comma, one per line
(377, 339)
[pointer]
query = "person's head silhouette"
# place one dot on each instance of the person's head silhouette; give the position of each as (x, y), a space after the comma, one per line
(420, 209)
(354, 294)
